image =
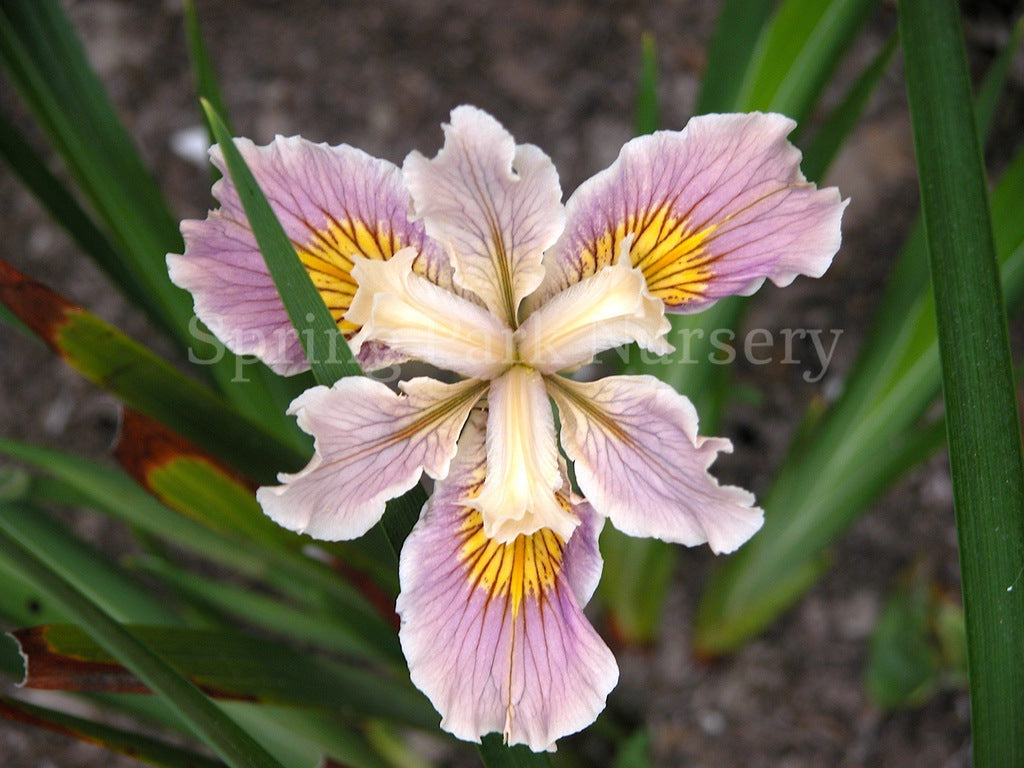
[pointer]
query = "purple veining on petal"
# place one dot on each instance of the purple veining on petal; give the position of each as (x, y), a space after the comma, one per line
(333, 202)
(714, 209)
(494, 206)
(533, 668)
(371, 445)
(640, 462)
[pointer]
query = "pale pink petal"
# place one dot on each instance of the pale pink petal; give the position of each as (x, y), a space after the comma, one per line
(494, 633)
(334, 202)
(371, 445)
(411, 315)
(639, 461)
(713, 209)
(495, 207)
(581, 561)
(518, 496)
(602, 311)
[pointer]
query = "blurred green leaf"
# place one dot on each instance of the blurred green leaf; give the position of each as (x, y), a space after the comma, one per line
(495, 754)
(918, 646)
(868, 438)
(736, 34)
(798, 51)
(794, 55)
(832, 134)
(638, 573)
(994, 84)
(45, 60)
(234, 745)
(108, 586)
(193, 482)
(302, 737)
(136, 745)
(203, 73)
(65, 210)
(983, 425)
(108, 358)
(634, 752)
(952, 638)
(88, 483)
(226, 665)
(22, 605)
(648, 114)
(903, 664)
(247, 606)
(47, 64)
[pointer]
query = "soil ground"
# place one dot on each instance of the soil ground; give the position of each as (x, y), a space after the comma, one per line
(561, 75)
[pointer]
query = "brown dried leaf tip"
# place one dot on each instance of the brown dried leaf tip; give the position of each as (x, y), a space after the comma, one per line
(47, 668)
(145, 445)
(41, 309)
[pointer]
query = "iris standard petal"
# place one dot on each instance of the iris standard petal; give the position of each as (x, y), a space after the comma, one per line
(495, 208)
(713, 209)
(639, 461)
(371, 445)
(609, 308)
(334, 202)
(494, 633)
(412, 315)
(518, 496)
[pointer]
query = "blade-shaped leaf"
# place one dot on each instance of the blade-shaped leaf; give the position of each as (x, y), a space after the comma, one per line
(42, 54)
(112, 589)
(196, 484)
(798, 51)
(139, 746)
(251, 607)
(324, 345)
(193, 482)
(201, 488)
(648, 114)
(833, 132)
(114, 493)
(142, 380)
(225, 665)
(496, 755)
(66, 211)
(893, 382)
(317, 585)
(986, 457)
(234, 745)
(203, 74)
(737, 31)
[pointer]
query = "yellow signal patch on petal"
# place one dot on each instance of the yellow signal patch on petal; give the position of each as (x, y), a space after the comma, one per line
(527, 566)
(327, 257)
(669, 252)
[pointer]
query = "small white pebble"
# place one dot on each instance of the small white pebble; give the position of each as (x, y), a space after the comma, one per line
(58, 414)
(711, 722)
(191, 144)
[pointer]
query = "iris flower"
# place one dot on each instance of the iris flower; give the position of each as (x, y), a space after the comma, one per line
(470, 262)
